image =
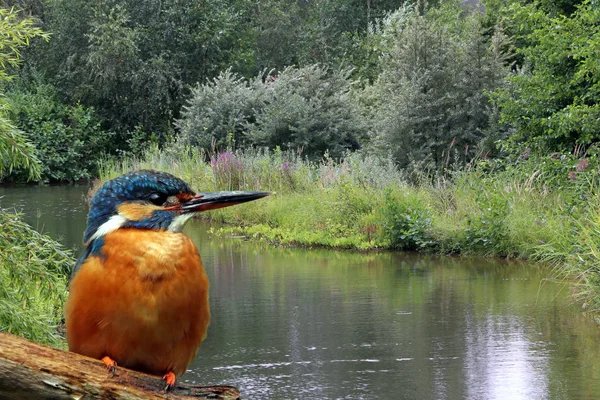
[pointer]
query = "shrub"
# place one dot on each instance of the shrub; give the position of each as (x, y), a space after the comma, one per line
(406, 223)
(218, 113)
(69, 139)
(306, 109)
(33, 281)
(486, 228)
(553, 101)
(309, 109)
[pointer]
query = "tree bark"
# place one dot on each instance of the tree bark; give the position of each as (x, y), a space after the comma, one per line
(32, 371)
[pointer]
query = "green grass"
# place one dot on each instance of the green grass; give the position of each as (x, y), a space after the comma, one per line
(33, 281)
(544, 208)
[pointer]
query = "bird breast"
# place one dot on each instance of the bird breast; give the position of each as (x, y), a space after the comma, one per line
(143, 301)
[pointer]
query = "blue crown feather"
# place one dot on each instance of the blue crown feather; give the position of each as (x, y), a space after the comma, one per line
(134, 186)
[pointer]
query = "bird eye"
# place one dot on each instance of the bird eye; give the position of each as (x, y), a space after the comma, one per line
(158, 198)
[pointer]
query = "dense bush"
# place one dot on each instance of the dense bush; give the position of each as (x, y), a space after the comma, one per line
(34, 270)
(553, 102)
(69, 139)
(307, 109)
(220, 111)
(406, 223)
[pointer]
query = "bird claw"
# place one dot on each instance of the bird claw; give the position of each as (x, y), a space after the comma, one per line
(111, 365)
(169, 377)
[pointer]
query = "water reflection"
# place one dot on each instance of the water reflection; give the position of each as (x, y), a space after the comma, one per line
(502, 362)
(315, 324)
(320, 325)
(59, 211)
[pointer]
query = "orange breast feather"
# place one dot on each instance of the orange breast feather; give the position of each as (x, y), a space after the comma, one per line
(144, 303)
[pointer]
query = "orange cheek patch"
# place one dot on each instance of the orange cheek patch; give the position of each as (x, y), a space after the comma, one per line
(183, 197)
(137, 211)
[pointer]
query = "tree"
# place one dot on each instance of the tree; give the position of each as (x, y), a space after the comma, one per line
(429, 103)
(219, 112)
(309, 109)
(131, 61)
(15, 150)
(554, 101)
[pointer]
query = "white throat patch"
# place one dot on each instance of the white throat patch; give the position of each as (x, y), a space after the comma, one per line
(179, 222)
(117, 221)
(113, 223)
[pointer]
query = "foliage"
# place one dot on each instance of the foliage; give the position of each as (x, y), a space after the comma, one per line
(15, 150)
(69, 139)
(309, 110)
(363, 202)
(304, 33)
(33, 281)
(305, 109)
(132, 60)
(579, 257)
(219, 112)
(429, 104)
(406, 223)
(486, 229)
(553, 101)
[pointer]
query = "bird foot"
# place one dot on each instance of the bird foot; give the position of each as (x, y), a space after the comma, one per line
(111, 365)
(170, 380)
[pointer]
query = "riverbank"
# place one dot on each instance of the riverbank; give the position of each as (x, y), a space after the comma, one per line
(543, 209)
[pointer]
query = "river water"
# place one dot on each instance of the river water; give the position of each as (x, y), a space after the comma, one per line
(320, 324)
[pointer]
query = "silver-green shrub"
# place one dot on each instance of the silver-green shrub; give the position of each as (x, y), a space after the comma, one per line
(309, 109)
(218, 113)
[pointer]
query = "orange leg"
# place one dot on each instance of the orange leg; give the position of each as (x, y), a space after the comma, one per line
(111, 364)
(170, 379)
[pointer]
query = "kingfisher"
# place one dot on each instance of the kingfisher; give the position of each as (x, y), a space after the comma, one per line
(138, 294)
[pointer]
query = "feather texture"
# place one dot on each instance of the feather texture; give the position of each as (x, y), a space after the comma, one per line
(142, 302)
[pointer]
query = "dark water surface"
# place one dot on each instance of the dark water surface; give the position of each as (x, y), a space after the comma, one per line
(316, 324)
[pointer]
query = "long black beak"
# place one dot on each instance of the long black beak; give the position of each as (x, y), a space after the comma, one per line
(214, 200)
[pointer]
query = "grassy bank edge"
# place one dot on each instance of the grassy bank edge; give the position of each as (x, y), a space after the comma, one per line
(537, 210)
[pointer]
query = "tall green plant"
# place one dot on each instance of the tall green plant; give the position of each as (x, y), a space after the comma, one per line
(406, 223)
(34, 270)
(553, 102)
(429, 105)
(15, 150)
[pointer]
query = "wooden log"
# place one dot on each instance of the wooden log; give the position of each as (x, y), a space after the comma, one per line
(32, 371)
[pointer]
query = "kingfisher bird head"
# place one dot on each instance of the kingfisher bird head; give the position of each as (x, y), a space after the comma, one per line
(152, 200)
